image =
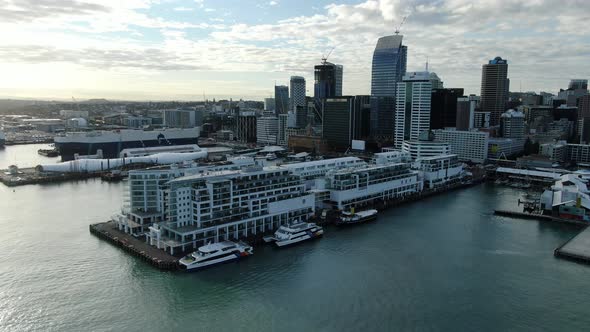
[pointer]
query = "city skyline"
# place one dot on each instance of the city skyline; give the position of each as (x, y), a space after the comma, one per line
(185, 50)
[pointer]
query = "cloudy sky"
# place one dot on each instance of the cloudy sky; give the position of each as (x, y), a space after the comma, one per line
(182, 49)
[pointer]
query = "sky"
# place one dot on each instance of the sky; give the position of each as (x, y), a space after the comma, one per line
(191, 49)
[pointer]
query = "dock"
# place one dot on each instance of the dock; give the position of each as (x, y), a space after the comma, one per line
(577, 248)
(29, 175)
(109, 232)
(538, 216)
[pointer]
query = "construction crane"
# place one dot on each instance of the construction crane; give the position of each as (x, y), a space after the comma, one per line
(400, 25)
(325, 57)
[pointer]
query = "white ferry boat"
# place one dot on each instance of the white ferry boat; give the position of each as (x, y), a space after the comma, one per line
(215, 253)
(295, 233)
(352, 217)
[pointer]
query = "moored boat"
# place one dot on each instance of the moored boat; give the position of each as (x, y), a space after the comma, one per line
(294, 233)
(214, 254)
(48, 152)
(352, 217)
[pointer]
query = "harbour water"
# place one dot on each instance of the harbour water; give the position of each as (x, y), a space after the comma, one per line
(444, 263)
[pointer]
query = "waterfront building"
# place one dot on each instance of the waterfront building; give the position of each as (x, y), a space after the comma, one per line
(267, 130)
(443, 110)
(229, 205)
(246, 127)
(355, 187)
(297, 96)
(382, 118)
(568, 197)
(504, 147)
(327, 80)
(481, 120)
(425, 148)
(391, 156)
(179, 118)
(337, 125)
(281, 99)
(512, 124)
(310, 171)
(412, 113)
(388, 66)
(437, 171)
(494, 88)
(138, 121)
(466, 112)
(467, 145)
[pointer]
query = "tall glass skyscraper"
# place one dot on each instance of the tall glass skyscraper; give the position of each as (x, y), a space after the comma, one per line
(389, 65)
(281, 99)
(327, 80)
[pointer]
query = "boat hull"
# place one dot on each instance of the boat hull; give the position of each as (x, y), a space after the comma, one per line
(341, 222)
(222, 260)
(306, 237)
(67, 150)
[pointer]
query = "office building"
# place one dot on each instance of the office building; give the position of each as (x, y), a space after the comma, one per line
(382, 119)
(443, 109)
(297, 93)
(282, 130)
(361, 119)
(327, 80)
(512, 124)
(338, 122)
(389, 66)
(481, 119)
(466, 113)
(504, 147)
(436, 82)
(494, 88)
(412, 112)
(467, 145)
(267, 130)
(281, 99)
(576, 84)
(246, 127)
(269, 105)
(179, 118)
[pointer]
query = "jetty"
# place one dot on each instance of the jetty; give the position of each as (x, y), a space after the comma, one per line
(577, 248)
(538, 216)
(109, 232)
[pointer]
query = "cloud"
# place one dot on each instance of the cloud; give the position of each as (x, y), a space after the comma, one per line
(273, 3)
(183, 9)
(30, 10)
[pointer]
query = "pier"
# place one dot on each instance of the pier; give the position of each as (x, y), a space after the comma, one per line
(538, 216)
(109, 232)
(24, 176)
(577, 248)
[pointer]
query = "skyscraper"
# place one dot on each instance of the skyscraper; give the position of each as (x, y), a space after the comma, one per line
(382, 118)
(389, 65)
(412, 111)
(443, 111)
(337, 125)
(281, 99)
(327, 80)
(494, 88)
(297, 90)
(466, 112)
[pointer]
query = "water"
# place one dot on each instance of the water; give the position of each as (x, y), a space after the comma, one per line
(24, 155)
(445, 263)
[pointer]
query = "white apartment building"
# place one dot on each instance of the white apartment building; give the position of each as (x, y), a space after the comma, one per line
(437, 171)
(412, 111)
(419, 149)
(467, 145)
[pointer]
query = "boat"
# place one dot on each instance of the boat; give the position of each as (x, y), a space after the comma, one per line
(271, 156)
(113, 176)
(48, 152)
(352, 217)
(294, 233)
(214, 254)
(112, 142)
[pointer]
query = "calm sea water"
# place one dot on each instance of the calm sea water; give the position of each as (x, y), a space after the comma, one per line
(442, 264)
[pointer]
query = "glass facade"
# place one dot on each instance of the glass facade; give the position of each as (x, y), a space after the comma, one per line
(389, 66)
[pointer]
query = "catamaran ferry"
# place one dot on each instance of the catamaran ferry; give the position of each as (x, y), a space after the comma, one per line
(295, 233)
(215, 253)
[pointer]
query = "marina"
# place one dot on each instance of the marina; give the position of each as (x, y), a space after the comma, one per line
(576, 249)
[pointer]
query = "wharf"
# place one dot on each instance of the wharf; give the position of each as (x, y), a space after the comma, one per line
(537, 216)
(26, 176)
(577, 248)
(109, 232)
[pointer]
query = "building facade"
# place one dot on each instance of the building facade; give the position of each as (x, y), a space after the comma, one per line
(327, 80)
(297, 93)
(388, 66)
(467, 145)
(443, 110)
(412, 112)
(494, 88)
(267, 130)
(281, 99)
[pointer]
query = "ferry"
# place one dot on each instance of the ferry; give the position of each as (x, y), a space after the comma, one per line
(351, 217)
(48, 152)
(214, 254)
(294, 233)
(112, 142)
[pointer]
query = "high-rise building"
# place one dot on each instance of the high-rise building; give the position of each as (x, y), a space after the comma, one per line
(361, 118)
(267, 130)
(466, 112)
(246, 127)
(467, 145)
(281, 99)
(412, 111)
(443, 111)
(437, 83)
(269, 104)
(494, 88)
(337, 126)
(179, 118)
(512, 124)
(327, 80)
(382, 118)
(282, 131)
(578, 84)
(481, 120)
(389, 66)
(297, 90)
